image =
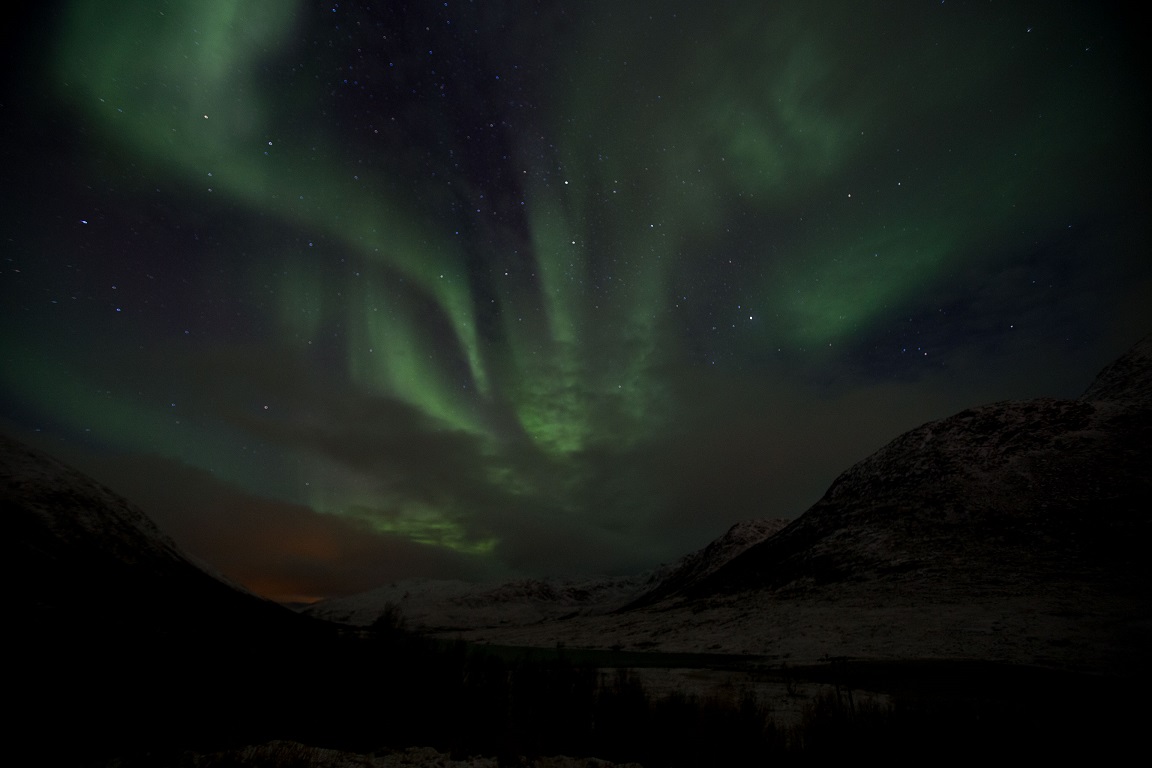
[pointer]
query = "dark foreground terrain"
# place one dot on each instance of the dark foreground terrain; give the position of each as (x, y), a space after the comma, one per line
(163, 701)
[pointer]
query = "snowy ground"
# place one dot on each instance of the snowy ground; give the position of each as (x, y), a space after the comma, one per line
(1058, 629)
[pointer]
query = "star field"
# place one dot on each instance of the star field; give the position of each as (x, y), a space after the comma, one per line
(341, 293)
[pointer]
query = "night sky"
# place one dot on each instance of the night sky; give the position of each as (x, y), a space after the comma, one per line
(341, 293)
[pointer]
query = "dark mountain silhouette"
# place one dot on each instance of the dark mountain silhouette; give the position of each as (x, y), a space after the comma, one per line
(122, 641)
(83, 553)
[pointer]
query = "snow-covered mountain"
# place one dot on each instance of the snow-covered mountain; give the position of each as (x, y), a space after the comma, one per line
(1009, 495)
(76, 511)
(1015, 531)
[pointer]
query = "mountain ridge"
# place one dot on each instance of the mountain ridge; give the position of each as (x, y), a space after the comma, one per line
(86, 553)
(436, 605)
(1045, 479)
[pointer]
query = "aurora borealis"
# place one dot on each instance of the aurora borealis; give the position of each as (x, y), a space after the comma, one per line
(342, 293)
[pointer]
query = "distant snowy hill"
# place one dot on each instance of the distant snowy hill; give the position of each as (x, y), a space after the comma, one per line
(432, 605)
(696, 567)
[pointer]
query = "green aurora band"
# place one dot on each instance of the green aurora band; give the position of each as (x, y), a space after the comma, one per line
(662, 138)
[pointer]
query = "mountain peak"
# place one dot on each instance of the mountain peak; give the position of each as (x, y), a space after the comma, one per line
(1010, 492)
(37, 492)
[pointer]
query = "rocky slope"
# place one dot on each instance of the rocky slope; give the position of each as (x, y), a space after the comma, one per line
(695, 568)
(1011, 494)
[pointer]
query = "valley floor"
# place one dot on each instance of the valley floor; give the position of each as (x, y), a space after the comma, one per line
(1060, 629)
